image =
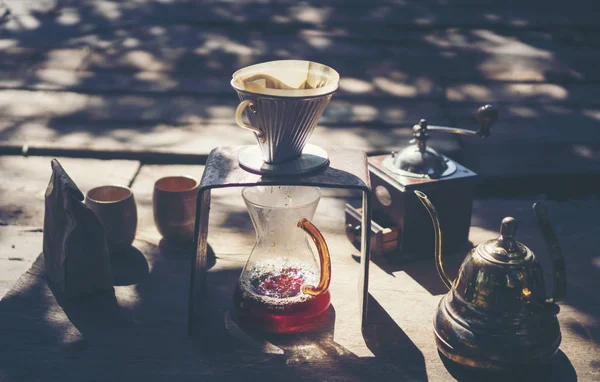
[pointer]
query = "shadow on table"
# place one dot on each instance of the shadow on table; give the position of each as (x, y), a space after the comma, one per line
(128, 266)
(310, 356)
(421, 270)
(560, 369)
(146, 323)
(94, 313)
(388, 341)
(172, 248)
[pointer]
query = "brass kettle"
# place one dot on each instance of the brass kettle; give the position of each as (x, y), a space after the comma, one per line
(496, 315)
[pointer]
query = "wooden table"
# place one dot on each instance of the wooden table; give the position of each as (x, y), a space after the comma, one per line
(144, 82)
(141, 334)
(155, 75)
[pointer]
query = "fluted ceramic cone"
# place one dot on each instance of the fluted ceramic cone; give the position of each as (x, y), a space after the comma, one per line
(286, 123)
(288, 115)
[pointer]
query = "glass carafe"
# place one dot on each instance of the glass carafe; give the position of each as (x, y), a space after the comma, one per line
(283, 288)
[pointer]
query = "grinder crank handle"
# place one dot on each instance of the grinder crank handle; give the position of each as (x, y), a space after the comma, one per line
(558, 261)
(486, 116)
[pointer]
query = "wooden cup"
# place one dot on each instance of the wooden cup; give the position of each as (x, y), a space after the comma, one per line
(174, 205)
(116, 209)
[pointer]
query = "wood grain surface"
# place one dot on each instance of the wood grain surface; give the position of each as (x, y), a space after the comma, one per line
(141, 332)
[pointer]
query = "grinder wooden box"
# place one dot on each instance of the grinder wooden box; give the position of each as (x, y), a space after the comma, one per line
(406, 229)
(401, 226)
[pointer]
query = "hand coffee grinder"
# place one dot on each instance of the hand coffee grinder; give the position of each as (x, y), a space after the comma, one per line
(400, 228)
(283, 101)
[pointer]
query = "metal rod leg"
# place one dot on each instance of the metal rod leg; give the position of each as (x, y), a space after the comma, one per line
(365, 259)
(198, 268)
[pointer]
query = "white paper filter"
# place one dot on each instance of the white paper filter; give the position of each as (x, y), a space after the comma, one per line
(287, 78)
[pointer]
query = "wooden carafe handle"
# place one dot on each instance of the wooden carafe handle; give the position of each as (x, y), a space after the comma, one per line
(325, 260)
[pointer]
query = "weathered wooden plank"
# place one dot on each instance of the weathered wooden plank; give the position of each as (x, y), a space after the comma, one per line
(537, 133)
(24, 7)
(47, 5)
(524, 93)
(179, 71)
(524, 159)
(453, 54)
(478, 66)
(534, 124)
(19, 247)
(486, 54)
(514, 111)
(21, 58)
(190, 50)
(102, 32)
(399, 14)
(202, 138)
(24, 182)
(486, 38)
(29, 6)
(63, 106)
(413, 75)
(398, 85)
(108, 153)
(414, 69)
(533, 140)
(405, 297)
(560, 14)
(273, 37)
(512, 68)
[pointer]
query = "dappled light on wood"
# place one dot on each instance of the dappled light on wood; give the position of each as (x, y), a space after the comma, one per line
(137, 78)
(143, 65)
(414, 56)
(153, 76)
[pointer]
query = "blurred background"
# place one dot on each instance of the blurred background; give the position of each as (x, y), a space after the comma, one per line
(153, 75)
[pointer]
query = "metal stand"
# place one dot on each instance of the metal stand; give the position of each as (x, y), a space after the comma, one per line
(347, 170)
(312, 159)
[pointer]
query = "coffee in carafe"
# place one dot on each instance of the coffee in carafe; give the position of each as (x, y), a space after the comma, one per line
(282, 288)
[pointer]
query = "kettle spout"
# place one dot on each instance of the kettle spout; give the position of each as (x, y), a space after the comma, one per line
(439, 264)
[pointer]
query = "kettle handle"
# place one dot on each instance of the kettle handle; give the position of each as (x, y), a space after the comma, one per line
(558, 261)
(439, 264)
(324, 257)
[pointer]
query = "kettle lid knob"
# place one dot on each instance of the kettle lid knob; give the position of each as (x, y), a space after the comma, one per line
(508, 228)
(504, 249)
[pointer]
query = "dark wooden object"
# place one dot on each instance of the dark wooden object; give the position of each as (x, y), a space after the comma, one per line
(75, 253)
(383, 239)
(396, 206)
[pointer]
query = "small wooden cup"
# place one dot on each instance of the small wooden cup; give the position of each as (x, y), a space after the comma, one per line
(174, 205)
(116, 209)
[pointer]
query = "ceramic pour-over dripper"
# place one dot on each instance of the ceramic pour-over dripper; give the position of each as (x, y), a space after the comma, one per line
(283, 101)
